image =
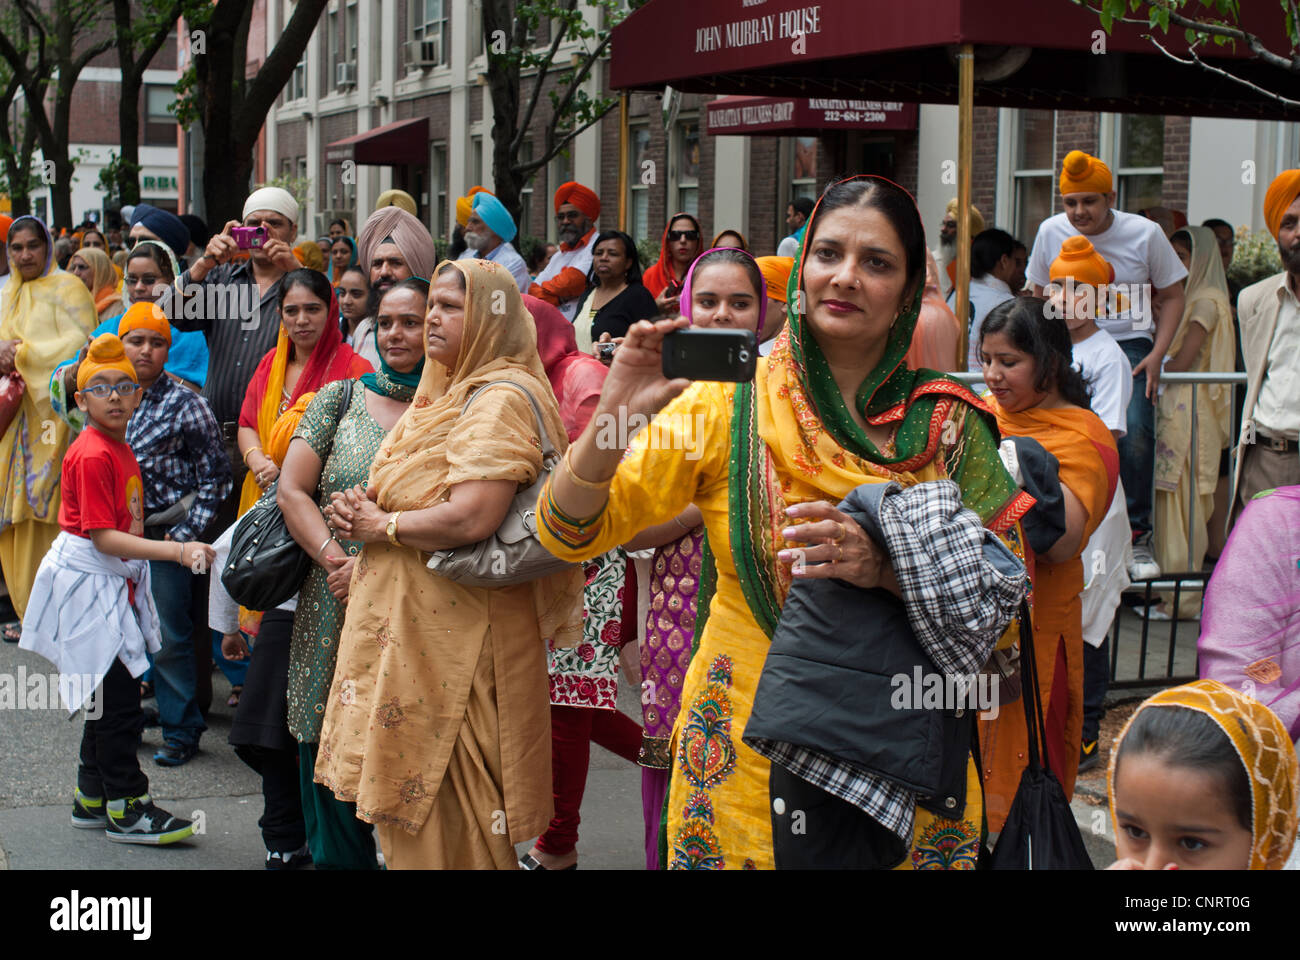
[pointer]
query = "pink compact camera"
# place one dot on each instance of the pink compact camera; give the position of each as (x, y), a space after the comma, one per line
(249, 238)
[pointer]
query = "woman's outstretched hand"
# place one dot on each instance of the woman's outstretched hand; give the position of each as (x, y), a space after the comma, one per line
(636, 383)
(832, 544)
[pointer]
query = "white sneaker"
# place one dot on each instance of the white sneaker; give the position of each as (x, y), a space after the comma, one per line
(1143, 566)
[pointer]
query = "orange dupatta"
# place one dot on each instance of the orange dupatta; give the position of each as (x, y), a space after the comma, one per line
(1089, 466)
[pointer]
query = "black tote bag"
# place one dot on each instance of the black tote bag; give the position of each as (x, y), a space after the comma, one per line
(266, 567)
(1040, 832)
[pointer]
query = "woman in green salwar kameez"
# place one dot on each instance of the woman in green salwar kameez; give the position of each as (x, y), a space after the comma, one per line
(337, 450)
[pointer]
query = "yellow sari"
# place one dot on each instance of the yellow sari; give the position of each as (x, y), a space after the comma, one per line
(53, 316)
(741, 453)
(1207, 306)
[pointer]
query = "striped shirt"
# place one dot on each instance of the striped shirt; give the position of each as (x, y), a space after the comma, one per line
(236, 344)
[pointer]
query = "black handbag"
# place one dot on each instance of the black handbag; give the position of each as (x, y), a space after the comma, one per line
(1041, 832)
(266, 566)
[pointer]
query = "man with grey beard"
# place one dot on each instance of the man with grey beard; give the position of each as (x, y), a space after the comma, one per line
(488, 232)
(564, 280)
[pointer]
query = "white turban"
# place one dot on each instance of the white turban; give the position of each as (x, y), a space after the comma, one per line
(272, 198)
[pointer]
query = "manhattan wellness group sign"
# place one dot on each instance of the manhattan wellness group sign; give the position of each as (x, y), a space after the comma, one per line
(776, 115)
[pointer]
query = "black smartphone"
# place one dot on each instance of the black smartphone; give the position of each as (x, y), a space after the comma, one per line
(727, 355)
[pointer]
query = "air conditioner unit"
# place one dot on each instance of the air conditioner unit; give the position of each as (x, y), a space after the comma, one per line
(345, 75)
(423, 53)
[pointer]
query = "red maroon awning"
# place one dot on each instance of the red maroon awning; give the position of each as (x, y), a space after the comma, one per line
(760, 116)
(1046, 54)
(393, 144)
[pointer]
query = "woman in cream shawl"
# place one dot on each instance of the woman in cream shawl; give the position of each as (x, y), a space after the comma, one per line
(437, 724)
(1206, 340)
(47, 315)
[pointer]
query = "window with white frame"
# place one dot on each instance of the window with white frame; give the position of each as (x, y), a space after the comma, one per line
(476, 159)
(429, 26)
(338, 195)
(1033, 170)
(1139, 160)
(641, 175)
(333, 40)
(159, 123)
(686, 154)
(475, 15)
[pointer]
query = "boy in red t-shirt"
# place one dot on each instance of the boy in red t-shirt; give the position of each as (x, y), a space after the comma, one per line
(103, 503)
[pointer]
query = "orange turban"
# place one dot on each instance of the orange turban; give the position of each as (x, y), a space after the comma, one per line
(4, 227)
(465, 204)
(105, 353)
(776, 273)
(1078, 259)
(1081, 173)
(145, 316)
(1281, 194)
(583, 198)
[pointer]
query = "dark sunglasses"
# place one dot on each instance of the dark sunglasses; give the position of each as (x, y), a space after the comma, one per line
(675, 235)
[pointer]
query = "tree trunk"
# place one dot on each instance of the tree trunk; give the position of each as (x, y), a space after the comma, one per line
(503, 85)
(233, 109)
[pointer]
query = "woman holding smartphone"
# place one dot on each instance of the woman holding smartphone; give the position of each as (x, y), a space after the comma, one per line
(832, 408)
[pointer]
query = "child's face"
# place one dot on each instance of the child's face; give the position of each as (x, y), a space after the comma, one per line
(1177, 815)
(147, 352)
(111, 412)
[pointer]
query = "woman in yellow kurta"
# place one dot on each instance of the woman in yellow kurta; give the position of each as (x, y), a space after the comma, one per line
(832, 408)
(437, 724)
(1026, 356)
(48, 314)
(1206, 340)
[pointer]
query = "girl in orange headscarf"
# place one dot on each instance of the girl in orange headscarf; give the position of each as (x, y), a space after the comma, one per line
(1025, 354)
(681, 244)
(1209, 783)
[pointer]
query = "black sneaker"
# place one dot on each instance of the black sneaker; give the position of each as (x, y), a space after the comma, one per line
(88, 813)
(138, 820)
(1089, 756)
(289, 860)
(175, 754)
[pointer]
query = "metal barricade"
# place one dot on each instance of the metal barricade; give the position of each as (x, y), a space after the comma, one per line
(1128, 667)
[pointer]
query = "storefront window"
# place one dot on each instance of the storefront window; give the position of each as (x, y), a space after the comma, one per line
(803, 169)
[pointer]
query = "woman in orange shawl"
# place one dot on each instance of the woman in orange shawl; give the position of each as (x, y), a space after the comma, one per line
(682, 243)
(1025, 353)
(93, 268)
(937, 333)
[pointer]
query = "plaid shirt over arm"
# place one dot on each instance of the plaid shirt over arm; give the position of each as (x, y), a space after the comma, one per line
(958, 603)
(177, 442)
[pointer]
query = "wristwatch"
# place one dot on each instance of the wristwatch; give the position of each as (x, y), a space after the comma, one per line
(392, 529)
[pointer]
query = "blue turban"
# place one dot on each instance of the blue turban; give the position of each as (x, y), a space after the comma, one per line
(495, 216)
(167, 227)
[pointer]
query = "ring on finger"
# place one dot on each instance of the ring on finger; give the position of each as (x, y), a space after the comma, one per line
(840, 556)
(843, 532)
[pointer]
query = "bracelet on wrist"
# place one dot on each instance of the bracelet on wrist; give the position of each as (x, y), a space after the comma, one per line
(601, 486)
(328, 541)
(250, 451)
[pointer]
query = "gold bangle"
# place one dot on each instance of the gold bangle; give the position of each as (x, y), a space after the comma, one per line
(678, 520)
(599, 487)
(248, 451)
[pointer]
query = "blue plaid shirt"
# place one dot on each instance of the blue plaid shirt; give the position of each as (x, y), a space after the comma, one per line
(177, 442)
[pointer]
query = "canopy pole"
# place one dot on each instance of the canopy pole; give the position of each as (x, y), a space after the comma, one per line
(623, 138)
(965, 158)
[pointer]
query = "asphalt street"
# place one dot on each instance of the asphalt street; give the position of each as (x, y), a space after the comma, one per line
(38, 765)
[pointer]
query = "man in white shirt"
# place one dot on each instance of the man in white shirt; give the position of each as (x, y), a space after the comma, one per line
(488, 231)
(564, 280)
(1269, 316)
(1147, 272)
(997, 271)
(797, 213)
